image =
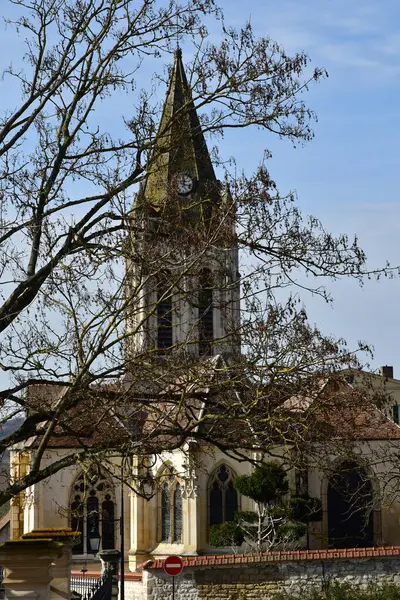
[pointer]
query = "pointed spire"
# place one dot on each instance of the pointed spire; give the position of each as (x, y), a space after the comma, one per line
(180, 146)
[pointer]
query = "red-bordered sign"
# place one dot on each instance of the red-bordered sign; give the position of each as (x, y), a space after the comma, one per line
(173, 565)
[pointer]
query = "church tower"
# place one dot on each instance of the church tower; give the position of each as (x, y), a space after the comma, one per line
(182, 268)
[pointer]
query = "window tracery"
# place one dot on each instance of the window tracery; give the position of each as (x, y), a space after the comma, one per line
(223, 498)
(92, 511)
(171, 510)
(177, 537)
(165, 513)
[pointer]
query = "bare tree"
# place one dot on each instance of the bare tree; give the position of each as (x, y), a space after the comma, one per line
(68, 226)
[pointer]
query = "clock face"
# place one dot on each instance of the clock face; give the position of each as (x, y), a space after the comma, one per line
(185, 184)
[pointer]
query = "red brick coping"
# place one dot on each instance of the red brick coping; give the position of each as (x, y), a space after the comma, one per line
(129, 576)
(240, 559)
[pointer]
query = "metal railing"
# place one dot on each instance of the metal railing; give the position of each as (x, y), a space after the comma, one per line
(92, 588)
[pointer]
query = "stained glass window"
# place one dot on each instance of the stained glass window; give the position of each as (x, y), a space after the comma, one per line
(301, 481)
(223, 474)
(165, 514)
(108, 521)
(96, 514)
(223, 498)
(77, 522)
(171, 510)
(231, 502)
(93, 525)
(216, 509)
(177, 514)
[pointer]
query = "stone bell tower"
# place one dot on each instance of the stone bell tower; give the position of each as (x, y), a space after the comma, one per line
(182, 268)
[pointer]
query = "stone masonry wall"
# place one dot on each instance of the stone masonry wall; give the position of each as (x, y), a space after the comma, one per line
(260, 578)
(133, 587)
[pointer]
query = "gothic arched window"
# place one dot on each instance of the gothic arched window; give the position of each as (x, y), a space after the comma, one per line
(222, 496)
(92, 511)
(164, 314)
(206, 318)
(165, 513)
(171, 511)
(108, 519)
(177, 537)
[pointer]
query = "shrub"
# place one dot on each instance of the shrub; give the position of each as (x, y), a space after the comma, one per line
(266, 482)
(227, 534)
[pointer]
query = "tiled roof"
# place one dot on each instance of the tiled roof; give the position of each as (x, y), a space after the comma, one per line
(91, 421)
(128, 575)
(109, 415)
(43, 395)
(340, 410)
(295, 555)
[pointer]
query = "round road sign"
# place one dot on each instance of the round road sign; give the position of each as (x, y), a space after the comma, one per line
(173, 565)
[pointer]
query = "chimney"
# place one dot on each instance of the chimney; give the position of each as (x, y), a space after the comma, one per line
(387, 372)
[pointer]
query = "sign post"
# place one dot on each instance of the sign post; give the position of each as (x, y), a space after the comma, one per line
(173, 566)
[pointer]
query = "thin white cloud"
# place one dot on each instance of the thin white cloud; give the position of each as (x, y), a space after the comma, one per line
(361, 36)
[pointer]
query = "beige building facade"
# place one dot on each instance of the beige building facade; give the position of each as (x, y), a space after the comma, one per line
(195, 483)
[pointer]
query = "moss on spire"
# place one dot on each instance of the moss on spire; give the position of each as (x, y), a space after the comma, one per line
(180, 145)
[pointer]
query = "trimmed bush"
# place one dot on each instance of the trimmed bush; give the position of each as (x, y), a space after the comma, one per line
(228, 534)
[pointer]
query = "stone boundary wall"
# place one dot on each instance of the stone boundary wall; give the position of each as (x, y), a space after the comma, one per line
(134, 588)
(254, 577)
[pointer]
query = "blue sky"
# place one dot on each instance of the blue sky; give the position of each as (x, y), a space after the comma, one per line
(348, 176)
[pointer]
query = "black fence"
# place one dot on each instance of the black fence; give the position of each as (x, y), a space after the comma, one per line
(1, 583)
(92, 588)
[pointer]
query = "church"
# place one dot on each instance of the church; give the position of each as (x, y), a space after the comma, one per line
(180, 205)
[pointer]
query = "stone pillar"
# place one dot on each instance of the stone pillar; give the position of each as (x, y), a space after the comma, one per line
(28, 568)
(191, 522)
(192, 529)
(60, 588)
(110, 560)
(141, 530)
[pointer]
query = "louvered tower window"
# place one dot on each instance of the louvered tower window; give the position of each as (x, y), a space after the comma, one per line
(206, 317)
(164, 314)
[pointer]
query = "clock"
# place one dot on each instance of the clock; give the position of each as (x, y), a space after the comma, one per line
(185, 184)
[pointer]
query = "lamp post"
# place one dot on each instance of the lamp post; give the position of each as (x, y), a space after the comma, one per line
(94, 540)
(146, 486)
(121, 535)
